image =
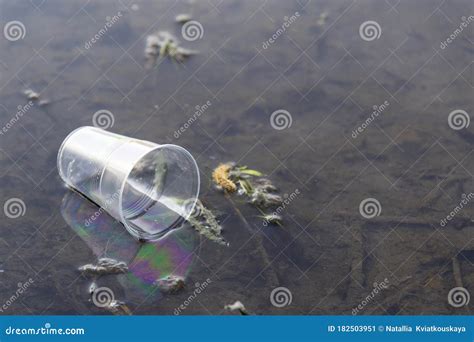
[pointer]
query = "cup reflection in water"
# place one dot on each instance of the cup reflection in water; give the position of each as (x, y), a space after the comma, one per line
(149, 188)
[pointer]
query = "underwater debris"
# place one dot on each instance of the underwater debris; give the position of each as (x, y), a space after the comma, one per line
(272, 218)
(237, 306)
(170, 284)
(261, 191)
(262, 198)
(118, 307)
(263, 194)
(92, 288)
(43, 103)
(31, 94)
(34, 96)
(104, 266)
(205, 222)
(182, 18)
(165, 44)
(322, 18)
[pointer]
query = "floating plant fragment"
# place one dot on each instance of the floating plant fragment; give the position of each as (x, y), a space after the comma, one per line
(205, 222)
(104, 266)
(182, 18)
(272, 218)
(260, 190)
(221, 177)
(165, 44)
(322, 18)
(237, 306)
(264, 199)
(31, 94)
(170, 284)
(34, 96)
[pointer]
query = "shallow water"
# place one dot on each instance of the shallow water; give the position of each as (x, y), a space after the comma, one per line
(325, 76)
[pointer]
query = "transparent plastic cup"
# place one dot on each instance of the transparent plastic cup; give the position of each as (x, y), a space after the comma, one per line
(150, 188)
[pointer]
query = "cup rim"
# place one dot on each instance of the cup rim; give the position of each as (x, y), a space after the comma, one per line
(154, 237)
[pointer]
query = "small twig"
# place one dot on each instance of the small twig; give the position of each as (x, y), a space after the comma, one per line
(263, 252)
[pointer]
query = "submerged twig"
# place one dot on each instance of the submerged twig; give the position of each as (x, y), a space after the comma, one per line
(273, 278)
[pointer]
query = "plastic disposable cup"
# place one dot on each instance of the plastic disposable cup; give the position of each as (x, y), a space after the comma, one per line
(148, 187)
